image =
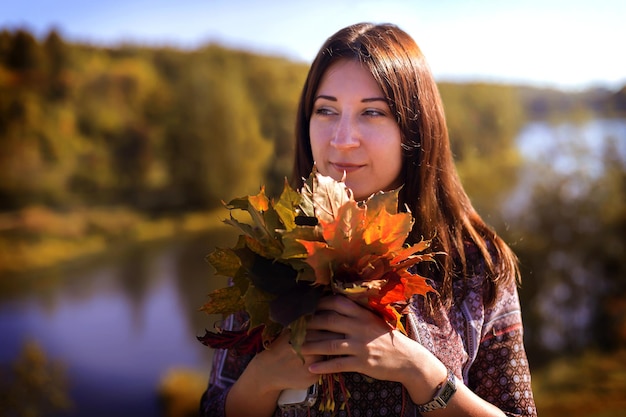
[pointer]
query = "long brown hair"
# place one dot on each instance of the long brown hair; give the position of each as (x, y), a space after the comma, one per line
(432, 190)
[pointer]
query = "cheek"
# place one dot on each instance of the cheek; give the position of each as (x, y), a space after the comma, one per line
(317, 142)
(391, 161)
(390, 151)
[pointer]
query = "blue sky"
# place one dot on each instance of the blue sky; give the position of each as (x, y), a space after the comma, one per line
(568, 44)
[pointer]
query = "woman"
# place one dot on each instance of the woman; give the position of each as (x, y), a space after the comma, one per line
(370, 110)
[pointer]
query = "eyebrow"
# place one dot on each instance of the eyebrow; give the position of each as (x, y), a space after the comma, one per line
(365, 100)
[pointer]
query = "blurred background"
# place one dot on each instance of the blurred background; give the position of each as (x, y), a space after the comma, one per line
(123, 124)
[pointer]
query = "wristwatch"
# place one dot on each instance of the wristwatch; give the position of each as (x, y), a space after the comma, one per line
(445, 390)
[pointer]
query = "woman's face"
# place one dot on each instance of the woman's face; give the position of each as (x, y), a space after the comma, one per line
(353, 130)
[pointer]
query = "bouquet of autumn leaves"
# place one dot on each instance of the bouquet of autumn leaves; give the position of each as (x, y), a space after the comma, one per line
(308, 244)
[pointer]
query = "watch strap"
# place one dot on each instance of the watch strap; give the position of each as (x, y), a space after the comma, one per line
(445, 390)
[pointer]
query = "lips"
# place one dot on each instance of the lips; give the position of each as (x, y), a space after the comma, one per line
(345, 166)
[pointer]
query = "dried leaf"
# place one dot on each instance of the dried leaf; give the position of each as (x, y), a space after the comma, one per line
(328, 196)
(298, 334)
(225, 261)
(257, 305)
(316, 240)
(259, 202)
(287, 205)
(296, 302)
(271, 276)
(223, 301)
(241, 341)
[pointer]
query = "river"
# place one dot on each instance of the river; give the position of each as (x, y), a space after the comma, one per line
(120, 323)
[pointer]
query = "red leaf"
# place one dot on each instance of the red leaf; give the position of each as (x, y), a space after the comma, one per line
(242, 341)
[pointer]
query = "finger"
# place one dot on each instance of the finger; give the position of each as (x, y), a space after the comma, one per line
(340, 304)
(334, 365)
(331, 347)
(331, 321)
(320, 335)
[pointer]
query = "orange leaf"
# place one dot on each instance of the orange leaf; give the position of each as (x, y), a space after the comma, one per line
(260, 202)
(390, 314)
(320, 258)
(389, 229)
(394, 292)
(415, 284)
(345, 232)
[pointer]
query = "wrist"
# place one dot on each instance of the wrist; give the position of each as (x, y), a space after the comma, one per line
(444, 392)
(424, 375)
(258, 377)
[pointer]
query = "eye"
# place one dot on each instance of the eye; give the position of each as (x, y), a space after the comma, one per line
(374, 113)
(323, 111)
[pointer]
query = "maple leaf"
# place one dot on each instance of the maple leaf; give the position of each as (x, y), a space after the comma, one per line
(225, 261)
(241, 341)
(298, 301)
(322, 196)
(362, 253)
(307, 244)
(223, 301)
(262, 236)
(287, 205)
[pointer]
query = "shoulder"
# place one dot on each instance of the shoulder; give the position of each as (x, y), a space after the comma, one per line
(478, 270)
(491, 264)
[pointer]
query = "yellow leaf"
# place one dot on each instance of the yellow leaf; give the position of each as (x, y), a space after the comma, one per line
(286, 206)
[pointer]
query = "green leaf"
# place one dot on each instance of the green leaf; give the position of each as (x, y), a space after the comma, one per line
(257, 303)
(271, 276)
(241, 281)
(298, 301)
(272, 224)
(247, 229)
(298, 334)
(307, 208)
(265, 233)
(240, 203)
(303, 269)
(223, 301)
(266, 247)
(257, 218)
(287, 205)
(225, 261)
(292, 248)
(270, 332)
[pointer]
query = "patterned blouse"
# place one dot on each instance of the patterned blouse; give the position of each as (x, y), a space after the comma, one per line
(482, 345)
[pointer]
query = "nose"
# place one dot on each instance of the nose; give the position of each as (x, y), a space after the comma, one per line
(346, 133)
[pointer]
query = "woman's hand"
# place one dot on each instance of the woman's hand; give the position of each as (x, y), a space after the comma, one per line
(357, 340)
(276, 368)
(281, 367)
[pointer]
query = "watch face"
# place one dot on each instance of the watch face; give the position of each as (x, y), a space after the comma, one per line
(442, 396)
(448, 389)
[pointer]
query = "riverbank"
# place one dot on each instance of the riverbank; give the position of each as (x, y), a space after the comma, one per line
(38, 237)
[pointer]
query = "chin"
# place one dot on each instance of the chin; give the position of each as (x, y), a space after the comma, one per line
(360, 196)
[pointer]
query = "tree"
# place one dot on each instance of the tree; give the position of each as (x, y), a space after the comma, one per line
(569, 236)
(58, 61)
(24, 52)
(215, 147)
(483, 122)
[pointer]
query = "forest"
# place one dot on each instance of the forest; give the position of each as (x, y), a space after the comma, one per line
(130, 143)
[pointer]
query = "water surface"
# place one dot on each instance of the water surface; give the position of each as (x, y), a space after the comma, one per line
(120, 324)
